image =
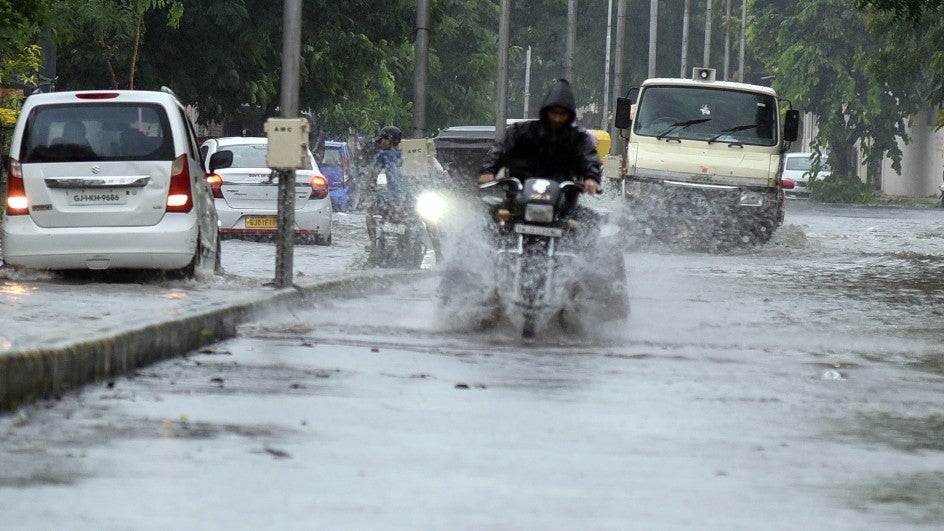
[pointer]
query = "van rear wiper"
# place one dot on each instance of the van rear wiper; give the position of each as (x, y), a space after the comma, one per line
(681, 125)
(731, 130)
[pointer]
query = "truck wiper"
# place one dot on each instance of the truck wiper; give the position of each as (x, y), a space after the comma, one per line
(731, 130)
(681, 125)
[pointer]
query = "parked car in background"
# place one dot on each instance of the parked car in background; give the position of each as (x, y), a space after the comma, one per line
(108, 180)
(336, 167)
(246, 191)
(798, 167)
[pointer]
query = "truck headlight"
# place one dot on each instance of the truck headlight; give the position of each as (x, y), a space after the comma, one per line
(752, 199)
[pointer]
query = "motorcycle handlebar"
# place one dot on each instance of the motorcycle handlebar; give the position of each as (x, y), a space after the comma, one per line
(518, 185)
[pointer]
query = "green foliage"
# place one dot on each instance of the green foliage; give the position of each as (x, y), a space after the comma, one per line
(99, 41)
(912, 54)
(835, 190)
(827, 72)
(20, 22)
(913, 10)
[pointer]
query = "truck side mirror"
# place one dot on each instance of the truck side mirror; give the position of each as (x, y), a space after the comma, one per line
(791, 125)
(622, 119)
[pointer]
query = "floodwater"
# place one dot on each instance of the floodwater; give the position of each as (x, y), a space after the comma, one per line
(795, 386)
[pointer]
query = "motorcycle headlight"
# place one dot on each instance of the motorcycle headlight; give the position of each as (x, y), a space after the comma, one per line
(539, 213)
(431, 206)
(752, 199)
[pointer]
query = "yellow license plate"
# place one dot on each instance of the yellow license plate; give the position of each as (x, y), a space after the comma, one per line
(262, 223)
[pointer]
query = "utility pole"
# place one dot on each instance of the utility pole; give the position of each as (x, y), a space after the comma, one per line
(606, 68)
(653, 32)
(527, 84)
(291, 66)
(727, 38)
(420, 70)
(706, 62)
(571, 38)
(501, 103)
(686, 19)
(615, 143)
(743, 40)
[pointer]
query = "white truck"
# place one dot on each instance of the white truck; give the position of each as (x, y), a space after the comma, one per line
(704, 158)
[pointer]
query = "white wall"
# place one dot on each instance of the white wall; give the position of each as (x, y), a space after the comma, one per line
(922, 163)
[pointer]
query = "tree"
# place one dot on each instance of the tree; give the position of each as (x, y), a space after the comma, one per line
(913, 50)
(911, 9)
(20, 22)
(116, 27)
(825, 72)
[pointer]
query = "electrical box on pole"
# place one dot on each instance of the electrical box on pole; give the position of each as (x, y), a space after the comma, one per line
(288, 143)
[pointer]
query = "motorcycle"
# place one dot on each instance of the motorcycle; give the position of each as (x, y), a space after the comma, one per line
(400, 237)
(546, 259)
(398, 233)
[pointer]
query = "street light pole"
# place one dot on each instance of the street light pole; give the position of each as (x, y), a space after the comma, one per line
(707, 57)
(291, 65)
(571, 39)
(616, 144)
(606, 69)
(501, 103)
(653, 34)
(421, 54)
(743, 39)
(527, 84)
(686, 18)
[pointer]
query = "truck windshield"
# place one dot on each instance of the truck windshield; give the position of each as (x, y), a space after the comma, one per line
(709, 114)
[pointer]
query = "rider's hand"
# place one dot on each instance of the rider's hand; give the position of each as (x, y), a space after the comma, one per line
(590, 186)
(486, 178)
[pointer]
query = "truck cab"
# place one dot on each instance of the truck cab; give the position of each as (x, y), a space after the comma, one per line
(704, 157)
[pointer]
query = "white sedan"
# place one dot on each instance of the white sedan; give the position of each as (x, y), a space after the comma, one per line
(246, 192)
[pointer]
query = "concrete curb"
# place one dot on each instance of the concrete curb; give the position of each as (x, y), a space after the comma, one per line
(32, 374)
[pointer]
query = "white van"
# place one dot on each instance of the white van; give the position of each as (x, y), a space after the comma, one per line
(108, 180)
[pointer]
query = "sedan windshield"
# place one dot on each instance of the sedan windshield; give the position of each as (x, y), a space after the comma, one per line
(709, 114)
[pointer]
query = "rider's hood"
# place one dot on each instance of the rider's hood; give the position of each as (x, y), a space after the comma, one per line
(560, 95)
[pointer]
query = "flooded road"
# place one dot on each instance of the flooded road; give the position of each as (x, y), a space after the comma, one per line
(795, 386)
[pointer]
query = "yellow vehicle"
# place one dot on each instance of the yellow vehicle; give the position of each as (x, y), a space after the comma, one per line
(603, 142)
(704, 157)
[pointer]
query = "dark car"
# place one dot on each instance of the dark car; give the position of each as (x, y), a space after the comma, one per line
(463, 149)
(336, 167)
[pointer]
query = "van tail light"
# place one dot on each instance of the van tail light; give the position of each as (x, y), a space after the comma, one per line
(96, 95)
(319, 187)
(216, 185)
(180, 197)
(17, 202)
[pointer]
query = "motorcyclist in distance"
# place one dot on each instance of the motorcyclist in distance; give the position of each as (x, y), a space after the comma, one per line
(553, 146)
(389, 162)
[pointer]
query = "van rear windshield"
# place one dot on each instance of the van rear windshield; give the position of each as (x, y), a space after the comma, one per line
(97, 132)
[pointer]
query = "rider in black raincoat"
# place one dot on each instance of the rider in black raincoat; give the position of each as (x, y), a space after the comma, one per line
(553, 146)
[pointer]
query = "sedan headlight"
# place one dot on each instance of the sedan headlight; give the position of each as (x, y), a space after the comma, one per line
(539, 213)
(752, 199)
